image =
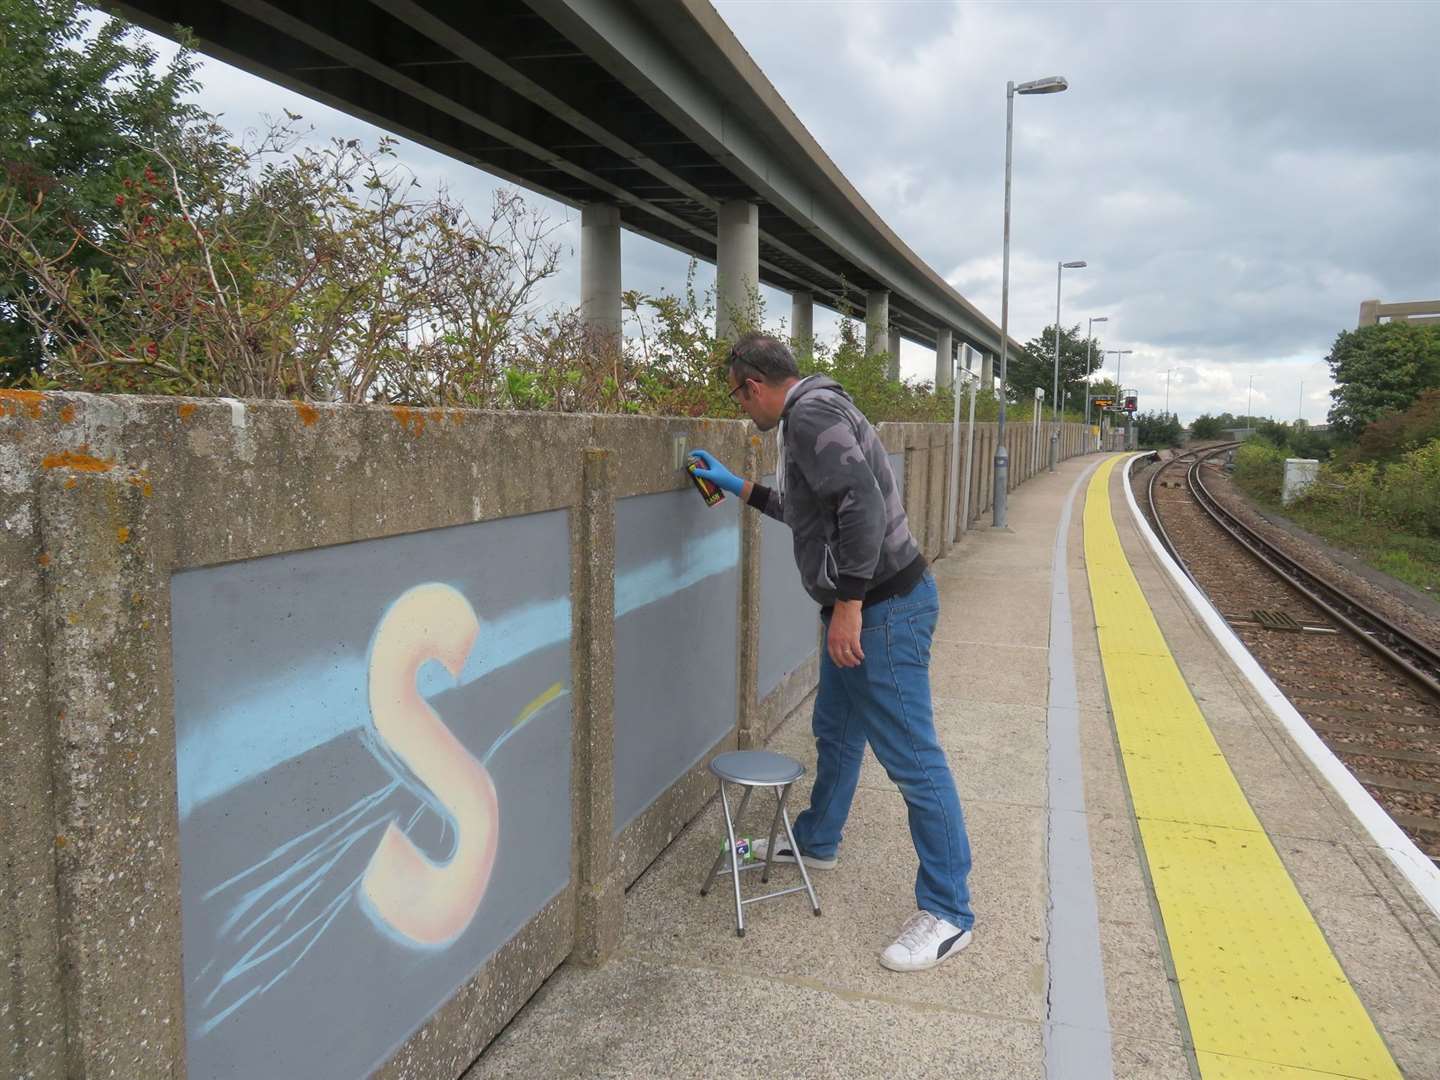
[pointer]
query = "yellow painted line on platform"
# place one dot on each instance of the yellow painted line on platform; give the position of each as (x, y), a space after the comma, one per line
(1263, 993)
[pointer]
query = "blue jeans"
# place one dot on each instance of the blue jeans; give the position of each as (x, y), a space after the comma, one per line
(886, 701)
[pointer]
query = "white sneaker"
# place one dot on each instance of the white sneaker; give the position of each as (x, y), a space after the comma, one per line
(923, 943)
(784, 854)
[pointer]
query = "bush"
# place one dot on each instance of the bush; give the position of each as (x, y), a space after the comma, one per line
(1297, 439)
(1409, 494)
(1398, 432)
(1260, 468)
(1404, 495)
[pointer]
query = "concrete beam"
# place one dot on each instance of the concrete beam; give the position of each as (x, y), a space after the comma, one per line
(600, 269)
(877, 320)
(893, 348)
(737, 275)
(944, 358)
(987, 371)
(802, 321)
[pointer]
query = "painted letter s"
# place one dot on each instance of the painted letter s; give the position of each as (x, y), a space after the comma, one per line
(427, 902)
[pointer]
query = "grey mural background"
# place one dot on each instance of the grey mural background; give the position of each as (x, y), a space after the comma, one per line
(676, 624)
(285, 788)
(789, 619)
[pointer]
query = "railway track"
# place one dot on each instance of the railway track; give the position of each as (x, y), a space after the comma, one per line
(1368, 687)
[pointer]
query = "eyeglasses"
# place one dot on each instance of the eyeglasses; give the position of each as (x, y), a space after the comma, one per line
(736, 389)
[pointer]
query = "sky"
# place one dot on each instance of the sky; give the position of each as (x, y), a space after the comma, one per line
(1237, 177)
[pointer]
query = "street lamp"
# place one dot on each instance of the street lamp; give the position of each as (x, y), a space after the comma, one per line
(1089, 350)
(1167, 391)
(1050, 85)
(1060, 267)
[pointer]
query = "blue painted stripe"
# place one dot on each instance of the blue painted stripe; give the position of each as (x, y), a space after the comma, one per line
(1077, 1023)
(321, 701)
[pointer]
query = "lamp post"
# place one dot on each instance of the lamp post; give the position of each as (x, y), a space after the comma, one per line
(1249, 397)
(1167, 392)
(1120, 389)
(1060, 267)
(1050, 85)
(1089, 352)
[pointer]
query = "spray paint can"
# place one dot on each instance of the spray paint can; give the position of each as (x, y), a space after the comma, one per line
(708, 491)
(744, 848)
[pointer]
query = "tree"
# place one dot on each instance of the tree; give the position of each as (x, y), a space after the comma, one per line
(1206, 426)
(78, 104)
(1034, 366)
(1158, 429)
(1380, 369)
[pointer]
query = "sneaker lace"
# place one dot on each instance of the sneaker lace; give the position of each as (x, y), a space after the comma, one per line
(916, 929)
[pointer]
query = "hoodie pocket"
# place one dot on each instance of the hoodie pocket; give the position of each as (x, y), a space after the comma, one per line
(829, 574)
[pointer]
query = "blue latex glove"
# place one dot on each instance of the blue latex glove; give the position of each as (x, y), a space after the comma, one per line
(716, 473)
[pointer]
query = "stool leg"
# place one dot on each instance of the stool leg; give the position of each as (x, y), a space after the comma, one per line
(719, 859)
(799, 859)
(774, 831)
(734, 863)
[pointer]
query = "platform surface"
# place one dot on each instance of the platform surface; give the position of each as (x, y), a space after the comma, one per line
(1233, 919)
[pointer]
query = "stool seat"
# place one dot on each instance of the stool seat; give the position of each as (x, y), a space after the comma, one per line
(756, 768)
(753, 769)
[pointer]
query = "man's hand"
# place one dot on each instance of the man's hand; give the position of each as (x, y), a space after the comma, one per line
(717, 474)
(843, 640)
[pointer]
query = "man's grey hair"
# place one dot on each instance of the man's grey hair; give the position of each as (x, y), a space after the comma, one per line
(760, 356)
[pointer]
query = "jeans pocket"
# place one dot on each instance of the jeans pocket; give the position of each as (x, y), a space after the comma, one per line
(922, 633)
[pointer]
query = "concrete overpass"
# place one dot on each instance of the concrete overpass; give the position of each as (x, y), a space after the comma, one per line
(647, 116)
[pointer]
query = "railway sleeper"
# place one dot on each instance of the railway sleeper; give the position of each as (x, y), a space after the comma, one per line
(1386, 782)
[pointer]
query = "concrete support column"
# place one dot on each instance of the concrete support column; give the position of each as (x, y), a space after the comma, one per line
(600, 269)
(802, 321)
(944, 358)
(600, 911)
(877, 320)
(737, 276)
(893, 348)
(987, 372)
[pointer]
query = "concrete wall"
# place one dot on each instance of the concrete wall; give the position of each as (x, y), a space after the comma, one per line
(331, 731)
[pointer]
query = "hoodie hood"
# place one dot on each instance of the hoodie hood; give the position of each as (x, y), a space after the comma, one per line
(809, 385)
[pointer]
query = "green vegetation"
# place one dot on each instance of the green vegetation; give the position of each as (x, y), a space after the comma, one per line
(1158, 430)
(1034, 366)
(1388, 514)
(1378, 492)
(1381, 369)
(145, 250)
(76, 110)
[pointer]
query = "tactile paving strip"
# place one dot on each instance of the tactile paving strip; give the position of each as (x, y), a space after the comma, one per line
(1263, 993)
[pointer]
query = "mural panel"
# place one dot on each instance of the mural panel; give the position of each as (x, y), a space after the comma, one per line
(789, 619)
(677, 576)
(373, 757)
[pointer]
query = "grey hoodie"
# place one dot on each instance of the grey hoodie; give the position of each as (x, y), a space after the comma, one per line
(835, 490)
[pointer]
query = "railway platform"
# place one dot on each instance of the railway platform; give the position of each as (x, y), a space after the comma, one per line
(1170, 878)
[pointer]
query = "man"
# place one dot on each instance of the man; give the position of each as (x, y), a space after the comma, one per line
(879, 604)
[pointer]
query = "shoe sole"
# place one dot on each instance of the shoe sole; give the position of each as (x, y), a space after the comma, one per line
(810, 862)
(959, 946)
